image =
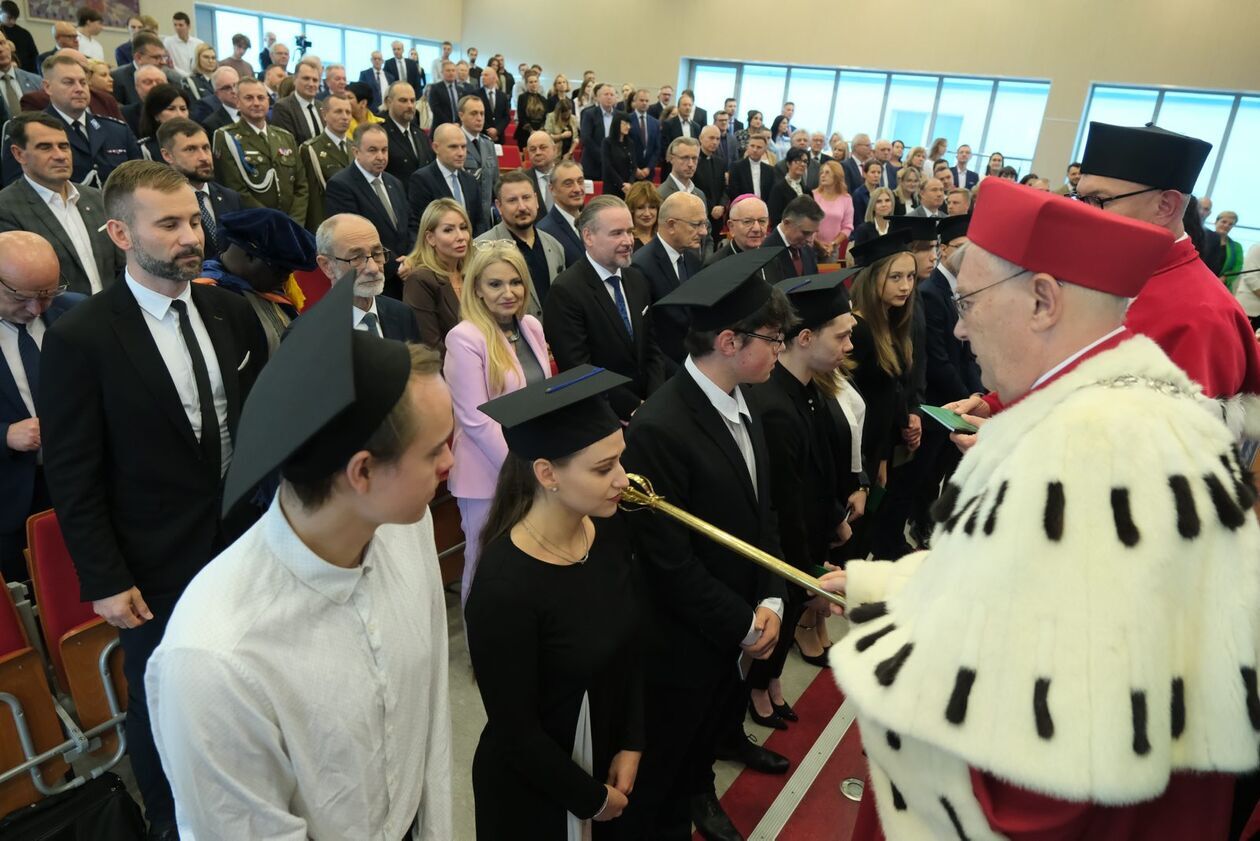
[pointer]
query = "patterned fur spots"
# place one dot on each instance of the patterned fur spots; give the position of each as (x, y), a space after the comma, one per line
(1053, 519)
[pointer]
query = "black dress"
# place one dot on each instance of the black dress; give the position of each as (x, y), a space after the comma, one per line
(618, 162)
(541, 637)
(886, 398)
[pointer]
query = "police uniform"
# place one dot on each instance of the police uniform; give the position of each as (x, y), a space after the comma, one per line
(265, 170)
(322, 158)
(109, 142)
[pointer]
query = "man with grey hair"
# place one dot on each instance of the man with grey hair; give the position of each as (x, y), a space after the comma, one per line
(146, 79)
(224, 80)
(931, 200)
(883, 154)
(399, 68)
(542, 159)
(684, 158)
(334, 80)
(348, 247)
(668, 261)
(596, 309)
(749, 224)
(859, 154)
(568, 191)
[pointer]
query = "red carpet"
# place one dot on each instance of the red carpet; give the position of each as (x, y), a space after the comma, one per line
(824, 813)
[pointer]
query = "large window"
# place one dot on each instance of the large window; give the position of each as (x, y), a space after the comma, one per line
(334, 44)
(1002, 115)
(1230, 121)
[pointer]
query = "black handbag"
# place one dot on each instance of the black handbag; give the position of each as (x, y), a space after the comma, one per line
(98, 810)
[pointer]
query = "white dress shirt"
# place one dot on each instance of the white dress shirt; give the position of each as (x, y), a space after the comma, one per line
(163, 323)
(756, 176)
(13, 357)
(735, 414)
(671, 254)
(292, 698)
(359, 315)
(572, 220)
(313, 124)
(233, 113)
(204, 189)
(604, 274)
(82, 119)
(182, 53)
(66, 212)
(91, 47)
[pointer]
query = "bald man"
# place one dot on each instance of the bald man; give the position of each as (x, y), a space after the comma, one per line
(33, 300)
(749, 226)
(542, 159)
(65, 36)
(446, 177)
(148, 77)
(668, 261)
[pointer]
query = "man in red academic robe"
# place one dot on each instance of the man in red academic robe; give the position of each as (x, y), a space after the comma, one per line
(1055, 667)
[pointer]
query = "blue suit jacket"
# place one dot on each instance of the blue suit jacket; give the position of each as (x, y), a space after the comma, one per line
(556, 225)
(952, 371)
(645, 155)
(17, 470)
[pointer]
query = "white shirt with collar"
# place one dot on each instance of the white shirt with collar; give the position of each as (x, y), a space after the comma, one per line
(233, 113)
(254, 640)
(685, 188)
(359, 315)
(337, 141)
(313, 124)
(446, 177)
(66, 212)
(572, 220)
(735, 414)
(671, 254)
(163, 324)
(755, 168)
(91, 47)
(261, 131)
(204, 190)
(13, 357)
(182, 53)
(604, 274)
(82, 120)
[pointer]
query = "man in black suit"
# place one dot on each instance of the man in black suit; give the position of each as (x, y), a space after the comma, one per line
(219, 111)
(796, 231)
(374, 77)
(542, 152)
(147, 49)
(817, 157)
(402, 69)
(749, 222)
(964, 177)
(445, 178)
(568, 190)
(698, 114)
(30, 305)
(409, 147)
(497, 106)
(859, 153)
(663, 100)
(667, 262)
(680, 125)
(44, 202)
(141, 389)
(702, 444)
(444, 96)
(365, 189)
(710, 174)
(186, 148)
(752, 175)
(645, 137)
(347, 242)
(596, 310)
(593, 127)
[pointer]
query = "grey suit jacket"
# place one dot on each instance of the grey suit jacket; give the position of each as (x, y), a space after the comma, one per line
(28, 82)
(21, 209)
(287, 114)
(483, 164)
(923, 211)
(552, 249)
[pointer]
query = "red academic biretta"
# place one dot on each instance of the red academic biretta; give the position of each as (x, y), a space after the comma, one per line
(1067, 239)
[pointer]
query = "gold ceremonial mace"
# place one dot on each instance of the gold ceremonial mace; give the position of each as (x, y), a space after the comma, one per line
(641, 493)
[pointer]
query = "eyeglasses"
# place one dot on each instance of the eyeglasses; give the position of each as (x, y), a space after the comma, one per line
(695, 226)
(26, 297)
(380, 256)
(778, 341)
(961, 304)
(1100, 203)
(748, 223)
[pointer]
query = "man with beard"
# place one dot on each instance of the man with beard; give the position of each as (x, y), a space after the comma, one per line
(186, 148)
(347, 243)
(262, 248)
(517, 201)
(141, 389)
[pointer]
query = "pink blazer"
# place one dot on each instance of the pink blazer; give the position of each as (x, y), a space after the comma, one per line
(479, 448)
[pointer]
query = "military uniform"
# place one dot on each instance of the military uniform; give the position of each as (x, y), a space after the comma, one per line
(109, 143)
(266, 171)
(322, 158)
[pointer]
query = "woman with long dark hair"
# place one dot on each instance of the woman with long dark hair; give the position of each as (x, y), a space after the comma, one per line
(753, 126)
(780, 136)
(163, 103)
(553, 620)
(618, 156)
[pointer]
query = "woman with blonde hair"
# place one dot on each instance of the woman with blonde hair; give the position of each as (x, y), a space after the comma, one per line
(562, 125)
(435, 270)
(559, 91)
(643, 202)
(205, 62)
(916, 159)
(99, 78)
(496, 348)
(832, 195)
(907, 192)
(878, 211)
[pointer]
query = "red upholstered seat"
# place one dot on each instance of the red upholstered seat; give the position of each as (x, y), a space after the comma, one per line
(56, 585)
(511, 157)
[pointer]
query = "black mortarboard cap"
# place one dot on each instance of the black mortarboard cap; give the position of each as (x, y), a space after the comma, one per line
(1146, 155)
(319, 398)
(921, 228)
(725, 293)
(271, 235)
(871, 251)
(560, 416)
(817, 298)
(952, 227)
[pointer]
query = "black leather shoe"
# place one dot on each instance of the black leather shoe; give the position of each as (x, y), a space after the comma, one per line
(773, 720)
(752, 755)
(785, 711)
(711, 822)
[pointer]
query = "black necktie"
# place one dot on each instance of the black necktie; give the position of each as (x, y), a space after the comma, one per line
(371, 321)
(317, 126)
(207, 223)
(683, 274)
(411, 138)
(643, 128)
(454, 100)
(210, 445)
(79, 130)
(29, 353)
(491, 95)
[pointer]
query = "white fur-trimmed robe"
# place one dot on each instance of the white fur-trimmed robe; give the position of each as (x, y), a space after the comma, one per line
(1086, 622)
